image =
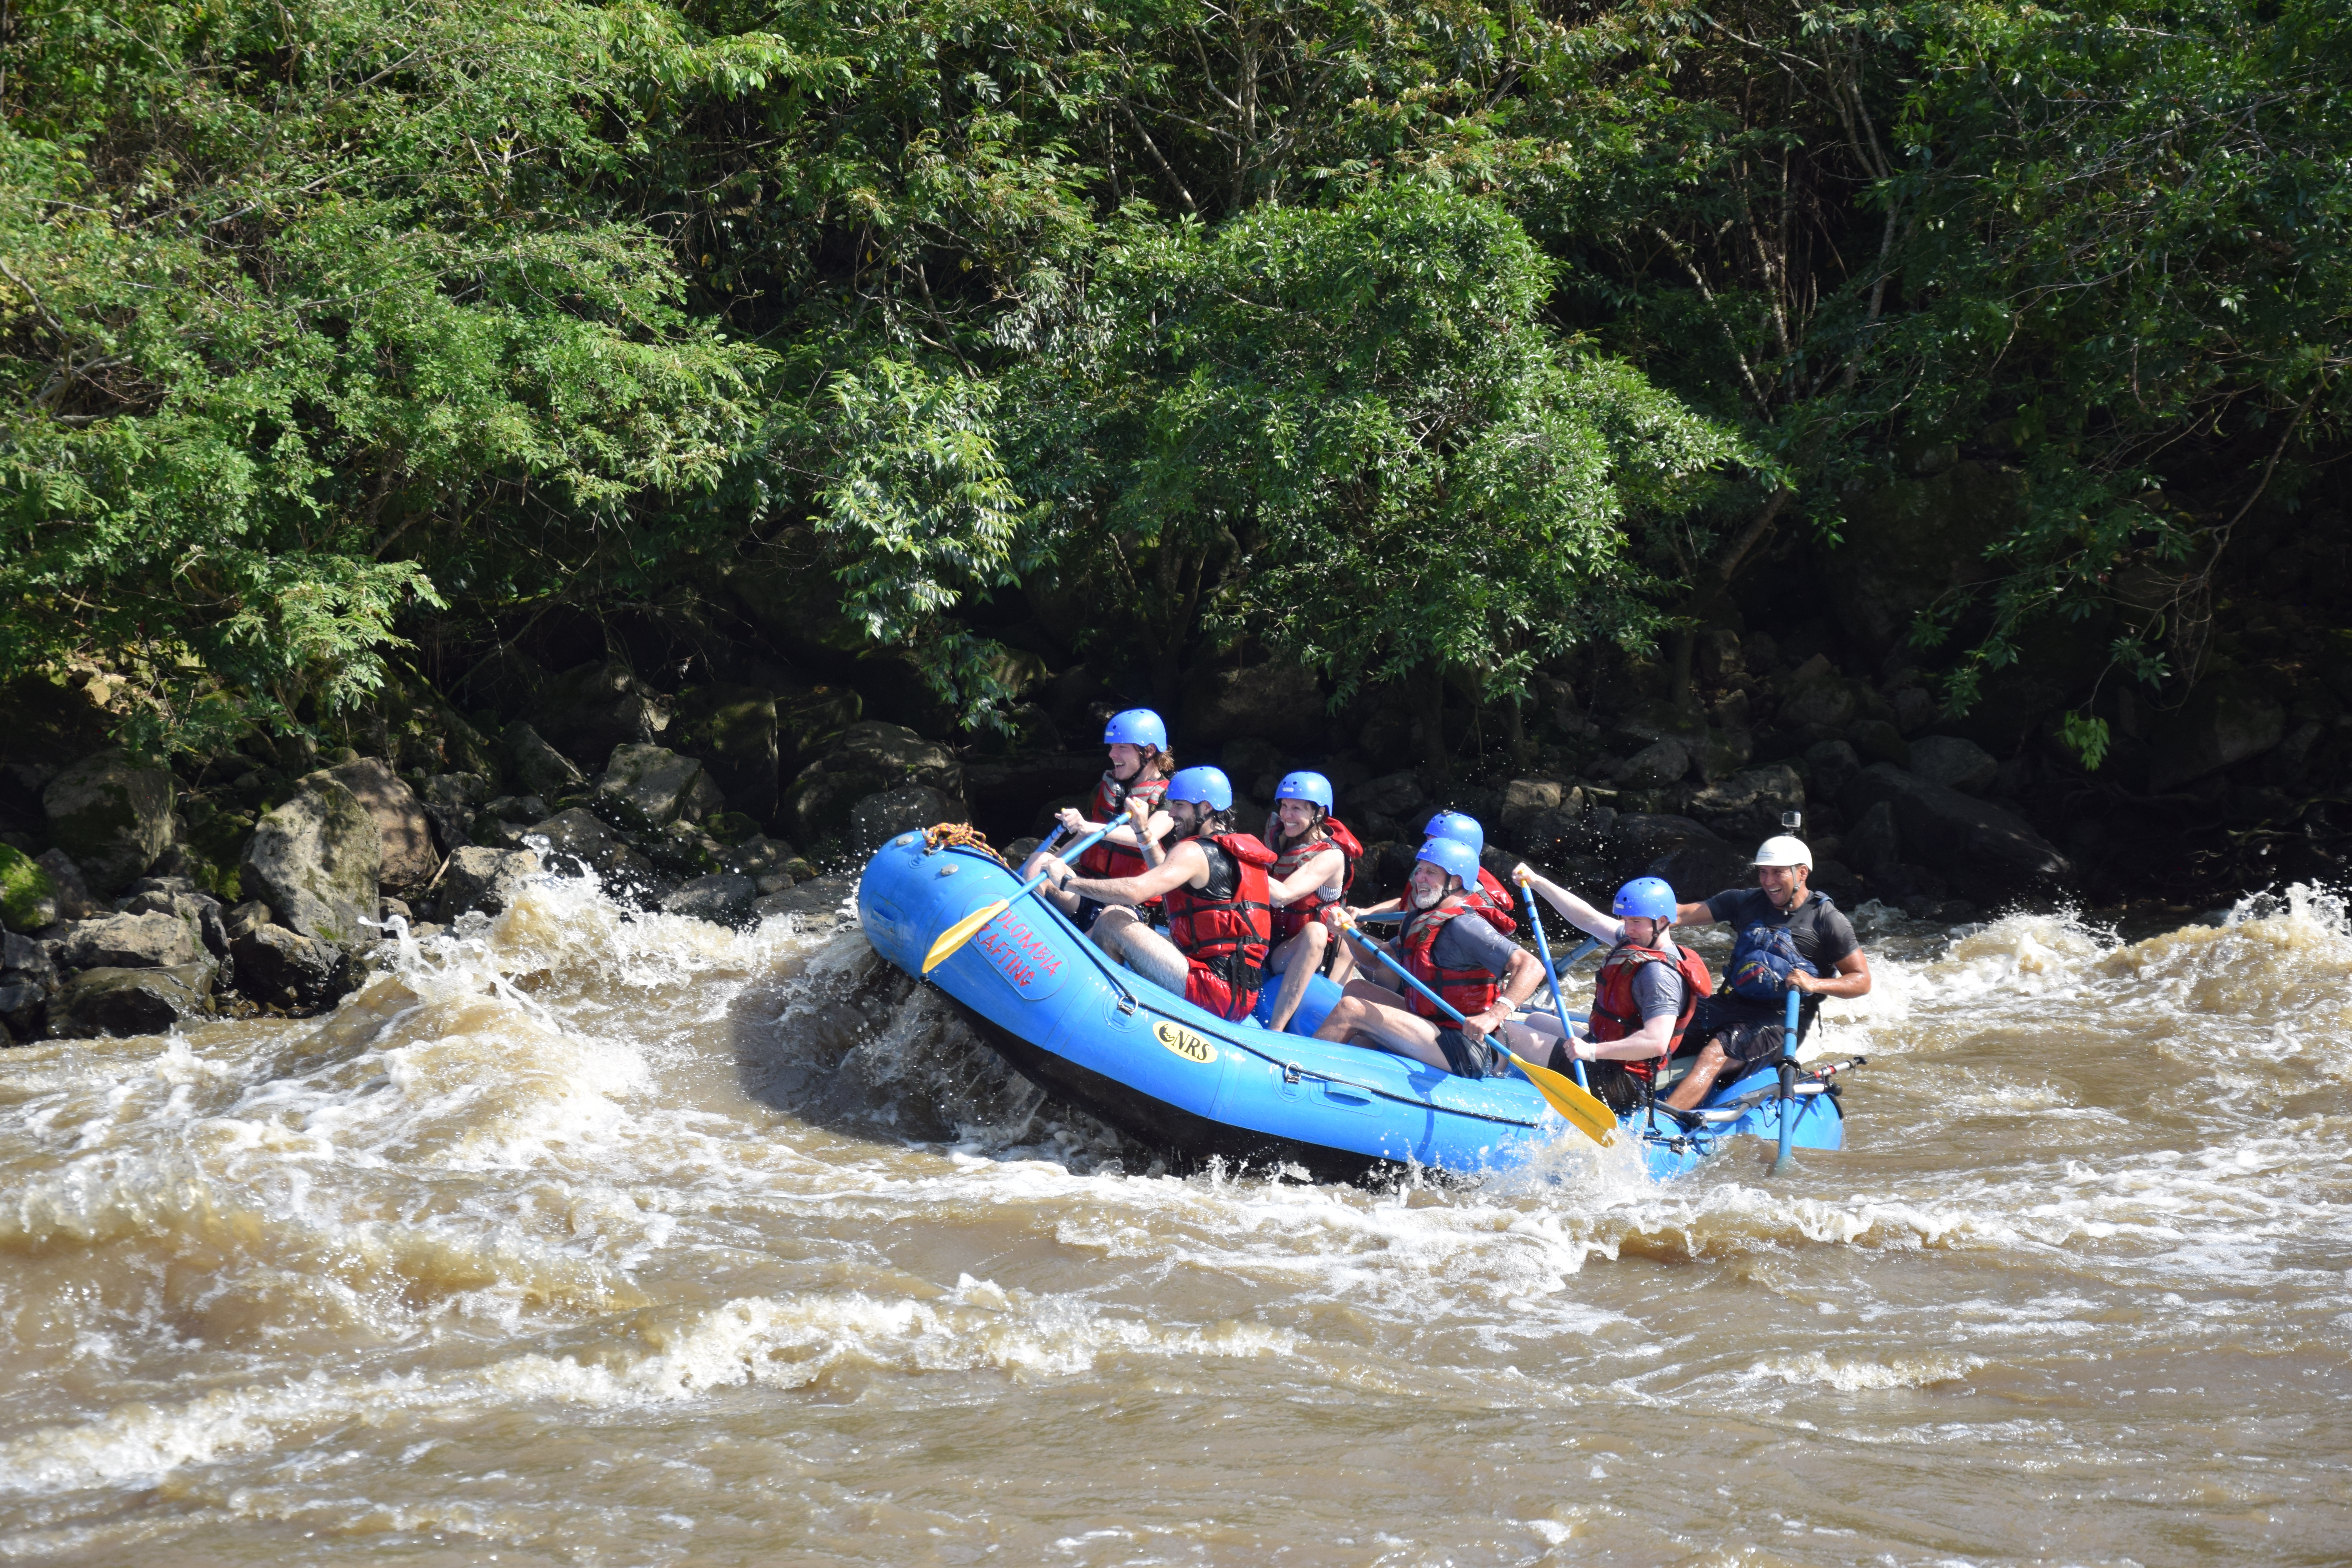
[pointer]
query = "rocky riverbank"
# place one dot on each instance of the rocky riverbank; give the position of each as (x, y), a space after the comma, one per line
(263, 877)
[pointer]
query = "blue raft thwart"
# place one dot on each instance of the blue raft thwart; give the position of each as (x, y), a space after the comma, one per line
(1181, 1080)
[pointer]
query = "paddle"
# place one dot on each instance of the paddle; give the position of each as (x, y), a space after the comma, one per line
(1782, 1162)
(1551, 977)
(1570, 1098)
(956, 935)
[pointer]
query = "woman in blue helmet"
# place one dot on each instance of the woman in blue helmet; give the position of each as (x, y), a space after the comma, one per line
(1128, 796)
(1315, 856)
(1648, 987)
(1212, 880)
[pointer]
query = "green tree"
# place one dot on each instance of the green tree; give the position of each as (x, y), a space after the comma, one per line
(310, 313)
(1347, 433)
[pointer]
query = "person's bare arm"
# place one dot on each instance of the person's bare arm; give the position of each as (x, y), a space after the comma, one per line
(1185, 864)
(1852, 979)
(1601, 928)
(1309, 878)
(1519, 982)
(1696, 914)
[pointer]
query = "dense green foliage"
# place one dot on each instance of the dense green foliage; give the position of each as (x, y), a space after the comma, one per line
(1407, 342)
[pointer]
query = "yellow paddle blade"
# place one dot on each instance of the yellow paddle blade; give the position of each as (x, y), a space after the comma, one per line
(956, 935)
(1571, 1099)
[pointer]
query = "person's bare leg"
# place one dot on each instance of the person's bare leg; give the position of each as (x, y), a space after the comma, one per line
(1365, 990)
(1700, 1078)
(1301, 957)
(1343, 964)
(1148, 952)
(1392, 1029)
(1109, 928)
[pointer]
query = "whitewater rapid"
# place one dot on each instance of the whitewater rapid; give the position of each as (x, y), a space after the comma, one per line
(585, 1236)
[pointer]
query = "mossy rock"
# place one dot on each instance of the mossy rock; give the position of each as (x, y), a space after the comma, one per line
(28, 899)
(113, 814)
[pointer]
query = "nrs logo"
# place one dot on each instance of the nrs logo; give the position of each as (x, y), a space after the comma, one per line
(1185, 1043)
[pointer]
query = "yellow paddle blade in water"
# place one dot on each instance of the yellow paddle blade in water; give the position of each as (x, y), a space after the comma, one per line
(1571, 1099)
(956, 935)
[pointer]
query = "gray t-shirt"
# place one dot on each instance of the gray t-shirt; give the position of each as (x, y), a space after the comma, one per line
(1470, 942)
(1657, 989)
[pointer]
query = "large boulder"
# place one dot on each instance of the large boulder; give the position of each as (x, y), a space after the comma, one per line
(131, 1001)
(1954, 763)
(28, 896)
(872, 756)
(1874, 841)
(75, 901)
(451, 802)
(1391, 798)
(586, 711)
(1987, 853)
(644, 789)
(27, 978)
(577, 841)
(113, 817)
(281, 968)
(485, 880)
(881, 818)
(1834, 764)
(541, 769)
(151, 941)
(1658, 763)
(314, 860)
(1272, 701)
(733, 729)
(2226, 719)
(407, 856)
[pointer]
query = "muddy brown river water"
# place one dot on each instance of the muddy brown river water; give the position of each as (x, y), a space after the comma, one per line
(601, 1240)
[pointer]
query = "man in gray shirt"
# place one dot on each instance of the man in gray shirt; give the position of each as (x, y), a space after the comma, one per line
(1481, 974)
(1789, 939)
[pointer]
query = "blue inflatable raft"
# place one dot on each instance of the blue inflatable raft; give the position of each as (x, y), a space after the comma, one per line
(1174, 1078)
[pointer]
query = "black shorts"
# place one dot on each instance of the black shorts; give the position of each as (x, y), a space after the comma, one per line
(1467, 1058)
(1748, 1037)
(1088, 913)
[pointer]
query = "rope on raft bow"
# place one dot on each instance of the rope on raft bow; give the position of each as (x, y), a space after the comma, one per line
(960, 836)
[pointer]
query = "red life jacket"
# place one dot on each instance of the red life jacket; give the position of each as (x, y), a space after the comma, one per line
(1492, 899)
(1467, 991)
(1227, 925)
(1615, 1016)
(1292, 917)
(1107, 860)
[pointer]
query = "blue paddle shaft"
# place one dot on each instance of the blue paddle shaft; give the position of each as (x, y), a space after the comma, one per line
(1551, 977)
(1788, 1099)
(1080, 848)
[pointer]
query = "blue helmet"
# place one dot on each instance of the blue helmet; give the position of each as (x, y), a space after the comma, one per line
(1136, 727)
(1202, 786)
(1452, 857)
(1644, 897)
(1311, 787)
(1460, 829)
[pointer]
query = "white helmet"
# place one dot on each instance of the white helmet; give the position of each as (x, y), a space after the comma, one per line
(1784, 851)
